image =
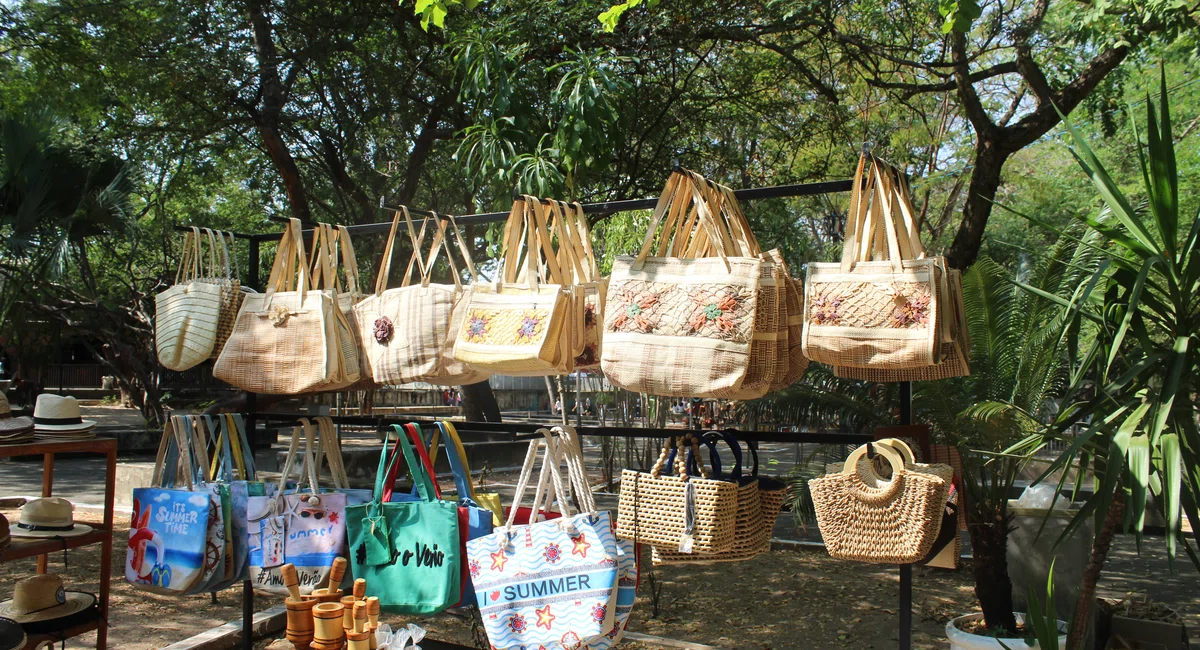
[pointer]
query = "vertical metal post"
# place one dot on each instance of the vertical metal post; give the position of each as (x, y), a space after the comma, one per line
(252, 271)
(247, 615)
(906, 417)
(251, 426)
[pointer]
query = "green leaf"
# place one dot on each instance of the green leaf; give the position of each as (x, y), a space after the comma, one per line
(1171, 467)
(422, 6)
(1135, 295)
(1139, 471)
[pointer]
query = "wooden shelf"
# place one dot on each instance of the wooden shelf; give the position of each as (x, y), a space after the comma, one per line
(32, 640)
(33, 547)
(39, 448)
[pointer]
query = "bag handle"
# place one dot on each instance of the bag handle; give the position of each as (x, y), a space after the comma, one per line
(673, 444)
(472, 276)
(535, 445)
(389, 246)
(172, 435)
(417, 241)
(888, 452)
(569, 450)
(235, 423)
(387, 461)
(424, 483)
(289, 252)
(349, 262)
(302, 428)
(415, 434)
(457, 457)
(327, 449)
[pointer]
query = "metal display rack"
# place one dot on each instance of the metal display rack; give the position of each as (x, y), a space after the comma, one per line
(519, 431)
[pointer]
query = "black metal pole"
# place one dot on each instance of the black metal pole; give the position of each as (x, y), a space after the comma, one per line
(906, 417)
(247, 615)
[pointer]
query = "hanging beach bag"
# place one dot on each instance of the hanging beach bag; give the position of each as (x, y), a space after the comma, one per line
(772, 492)
(219, 562)
(581, 274)
(517, 326)
(288, 340)
(866, 518)
(406, 551)
(330, 452)
(749, 529)
(186, 315)
(168, 535)
(678, 325)
(304, 529)
(235, 467)
(881, 306)
(231, 299)
(681, 512)
(552, 583)
(487, 500)
(407, 332)
(474, 521)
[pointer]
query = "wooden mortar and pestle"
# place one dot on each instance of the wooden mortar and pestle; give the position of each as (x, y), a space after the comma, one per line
(329, 634)
(299, 610)
(358, 638)
(332, 593)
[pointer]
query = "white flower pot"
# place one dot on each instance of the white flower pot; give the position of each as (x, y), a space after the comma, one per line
(960, 640)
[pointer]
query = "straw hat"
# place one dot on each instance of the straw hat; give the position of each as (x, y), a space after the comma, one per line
(40, 604)
(49, 517)
(59, 413)
(5, 408)
(11, 635)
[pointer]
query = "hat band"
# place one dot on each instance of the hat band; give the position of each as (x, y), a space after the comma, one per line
(33, 528)
(57, 421)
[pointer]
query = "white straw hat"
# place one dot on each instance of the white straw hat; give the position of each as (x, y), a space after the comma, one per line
(59, 413)
(42, 599)
(48, 517)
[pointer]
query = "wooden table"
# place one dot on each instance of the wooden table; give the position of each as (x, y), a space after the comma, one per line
(102, 534)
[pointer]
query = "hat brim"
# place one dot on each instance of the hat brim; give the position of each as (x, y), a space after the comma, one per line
(11, 635)
(79, 529)
(77, 601)
(82, 426)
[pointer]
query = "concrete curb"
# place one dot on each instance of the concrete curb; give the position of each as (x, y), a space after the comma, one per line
(229, 635)
(665, 642)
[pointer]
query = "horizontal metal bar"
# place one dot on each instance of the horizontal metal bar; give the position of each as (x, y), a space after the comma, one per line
(604, 207)
(236, 235)
(526, 430)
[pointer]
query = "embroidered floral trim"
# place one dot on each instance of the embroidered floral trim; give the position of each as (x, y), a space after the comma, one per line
(913, 311)
(384, 330)
(530, 327)
(631, 309)
(718, 310)
(477, 328)
(823, 310)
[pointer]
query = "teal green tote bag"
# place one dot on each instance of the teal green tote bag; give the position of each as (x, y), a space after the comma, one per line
(407, 551)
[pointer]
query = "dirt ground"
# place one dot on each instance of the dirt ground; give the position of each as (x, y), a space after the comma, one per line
(782, 600)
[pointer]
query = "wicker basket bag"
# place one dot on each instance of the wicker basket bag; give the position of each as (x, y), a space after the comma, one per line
(880, 307)
(407, 332)
(188, 314)
(231, 292)
(287, 340)
(749, 529)
(518, 326)
(867, 518)
(677, 511)
(681, 323)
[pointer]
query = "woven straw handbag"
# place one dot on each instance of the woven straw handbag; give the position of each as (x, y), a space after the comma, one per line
(407, 331)
(880, 307)
(231, 292)
(288, 340)
(681, 322)
(749, 532)
(335, 263)
(518, 326)
(187, 315)
(867, 518)
(587, 289)
(682, 512)
(792, 314)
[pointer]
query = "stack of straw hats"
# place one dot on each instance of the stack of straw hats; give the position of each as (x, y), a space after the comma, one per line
(13, 431)
(58, 418)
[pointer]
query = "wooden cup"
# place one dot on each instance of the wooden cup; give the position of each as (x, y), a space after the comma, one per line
(372, 640)
(329, 633)
(300, 622)
(348, 612)
(358, 640)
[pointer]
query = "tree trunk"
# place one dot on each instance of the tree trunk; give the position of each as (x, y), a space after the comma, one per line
(479, 403)
(993, 587)
(1091, 575)
(985, 180)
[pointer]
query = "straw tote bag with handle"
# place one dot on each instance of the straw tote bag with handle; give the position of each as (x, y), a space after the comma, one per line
(875, 314)
(749, 528)
(681, 323)
(187, 314)
(231, 294)
(407, 332)
(587, 287)
(867, 518)
(517, 326)
(285, 341)
(335, 262)
(954, 338)
(691, 514)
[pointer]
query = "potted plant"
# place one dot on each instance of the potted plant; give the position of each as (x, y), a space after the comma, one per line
(1043, 630)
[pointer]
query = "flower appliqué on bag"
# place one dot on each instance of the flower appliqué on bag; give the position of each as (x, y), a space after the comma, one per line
(279, 315)
(475, 569)
(823, 310)
(716, 311)
(631, 309)
(477, 327)
(913, 311)
(384, 330)
(530, 326)
(517, 624)
(553, 553)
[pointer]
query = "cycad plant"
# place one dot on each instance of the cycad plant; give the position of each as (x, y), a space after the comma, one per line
(1018, 368)
(1135, 357)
